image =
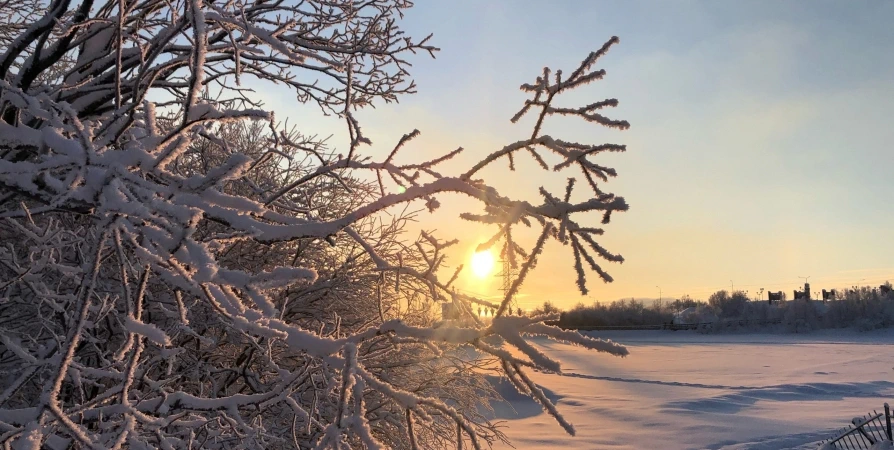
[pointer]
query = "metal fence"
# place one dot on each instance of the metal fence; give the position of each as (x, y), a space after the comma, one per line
(863, 432)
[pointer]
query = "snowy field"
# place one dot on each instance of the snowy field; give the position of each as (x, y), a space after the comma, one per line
(684, 390)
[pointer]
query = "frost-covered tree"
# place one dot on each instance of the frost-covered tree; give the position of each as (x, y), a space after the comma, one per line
(546, 308)
(180, 270)
(728, 305)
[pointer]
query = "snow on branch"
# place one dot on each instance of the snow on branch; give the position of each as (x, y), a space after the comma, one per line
(148, 330)
(179, 269)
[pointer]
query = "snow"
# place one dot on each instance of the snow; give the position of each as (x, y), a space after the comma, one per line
(686, 390)
(150, 331)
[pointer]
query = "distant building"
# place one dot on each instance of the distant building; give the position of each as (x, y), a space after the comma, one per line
(776, 296)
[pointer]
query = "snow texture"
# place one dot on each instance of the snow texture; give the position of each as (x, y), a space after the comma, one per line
(686, 390)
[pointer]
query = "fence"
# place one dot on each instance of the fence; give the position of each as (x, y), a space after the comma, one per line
(862, 433)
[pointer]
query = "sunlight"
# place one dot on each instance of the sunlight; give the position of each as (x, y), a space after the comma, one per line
(482, 263)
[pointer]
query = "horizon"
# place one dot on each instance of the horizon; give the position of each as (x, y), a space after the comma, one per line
(757, 153)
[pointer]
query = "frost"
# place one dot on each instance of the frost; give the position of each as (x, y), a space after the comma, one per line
(194, 273)
(148, 330)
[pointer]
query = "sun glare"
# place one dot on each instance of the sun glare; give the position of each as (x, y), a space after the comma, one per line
(482, 263)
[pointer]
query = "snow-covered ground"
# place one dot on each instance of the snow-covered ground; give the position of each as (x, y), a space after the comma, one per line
(684, 390)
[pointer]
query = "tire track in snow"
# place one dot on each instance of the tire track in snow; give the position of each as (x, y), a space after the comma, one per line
(737, 400)
(659, 382)
(796, 389)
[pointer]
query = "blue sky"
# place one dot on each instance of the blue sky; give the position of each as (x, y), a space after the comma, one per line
(760, 148)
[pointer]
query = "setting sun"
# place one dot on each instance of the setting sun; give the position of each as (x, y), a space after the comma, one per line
(482, 263)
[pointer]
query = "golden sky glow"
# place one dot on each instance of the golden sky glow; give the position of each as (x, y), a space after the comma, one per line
(734, 176)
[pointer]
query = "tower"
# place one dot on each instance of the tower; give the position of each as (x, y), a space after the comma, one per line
(508, 275)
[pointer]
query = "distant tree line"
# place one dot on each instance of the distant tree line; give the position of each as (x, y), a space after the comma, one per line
(861, 307)
(621, 312)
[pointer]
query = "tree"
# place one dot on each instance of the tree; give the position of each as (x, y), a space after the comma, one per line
(180, 270)
(547, 308)
(726, 305)
(685, 302)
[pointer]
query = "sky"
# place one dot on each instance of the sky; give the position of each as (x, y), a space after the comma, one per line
(759, 153)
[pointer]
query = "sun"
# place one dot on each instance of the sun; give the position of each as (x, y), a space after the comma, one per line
(482, 263)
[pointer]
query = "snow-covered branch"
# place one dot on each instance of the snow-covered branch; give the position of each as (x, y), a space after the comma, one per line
(180, 270)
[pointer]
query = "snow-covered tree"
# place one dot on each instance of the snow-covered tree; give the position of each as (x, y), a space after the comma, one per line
(546, 308)
(180, 270)
(728, 305)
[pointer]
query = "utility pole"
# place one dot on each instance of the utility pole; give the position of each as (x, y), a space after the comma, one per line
(731, 288)
(659, 293)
